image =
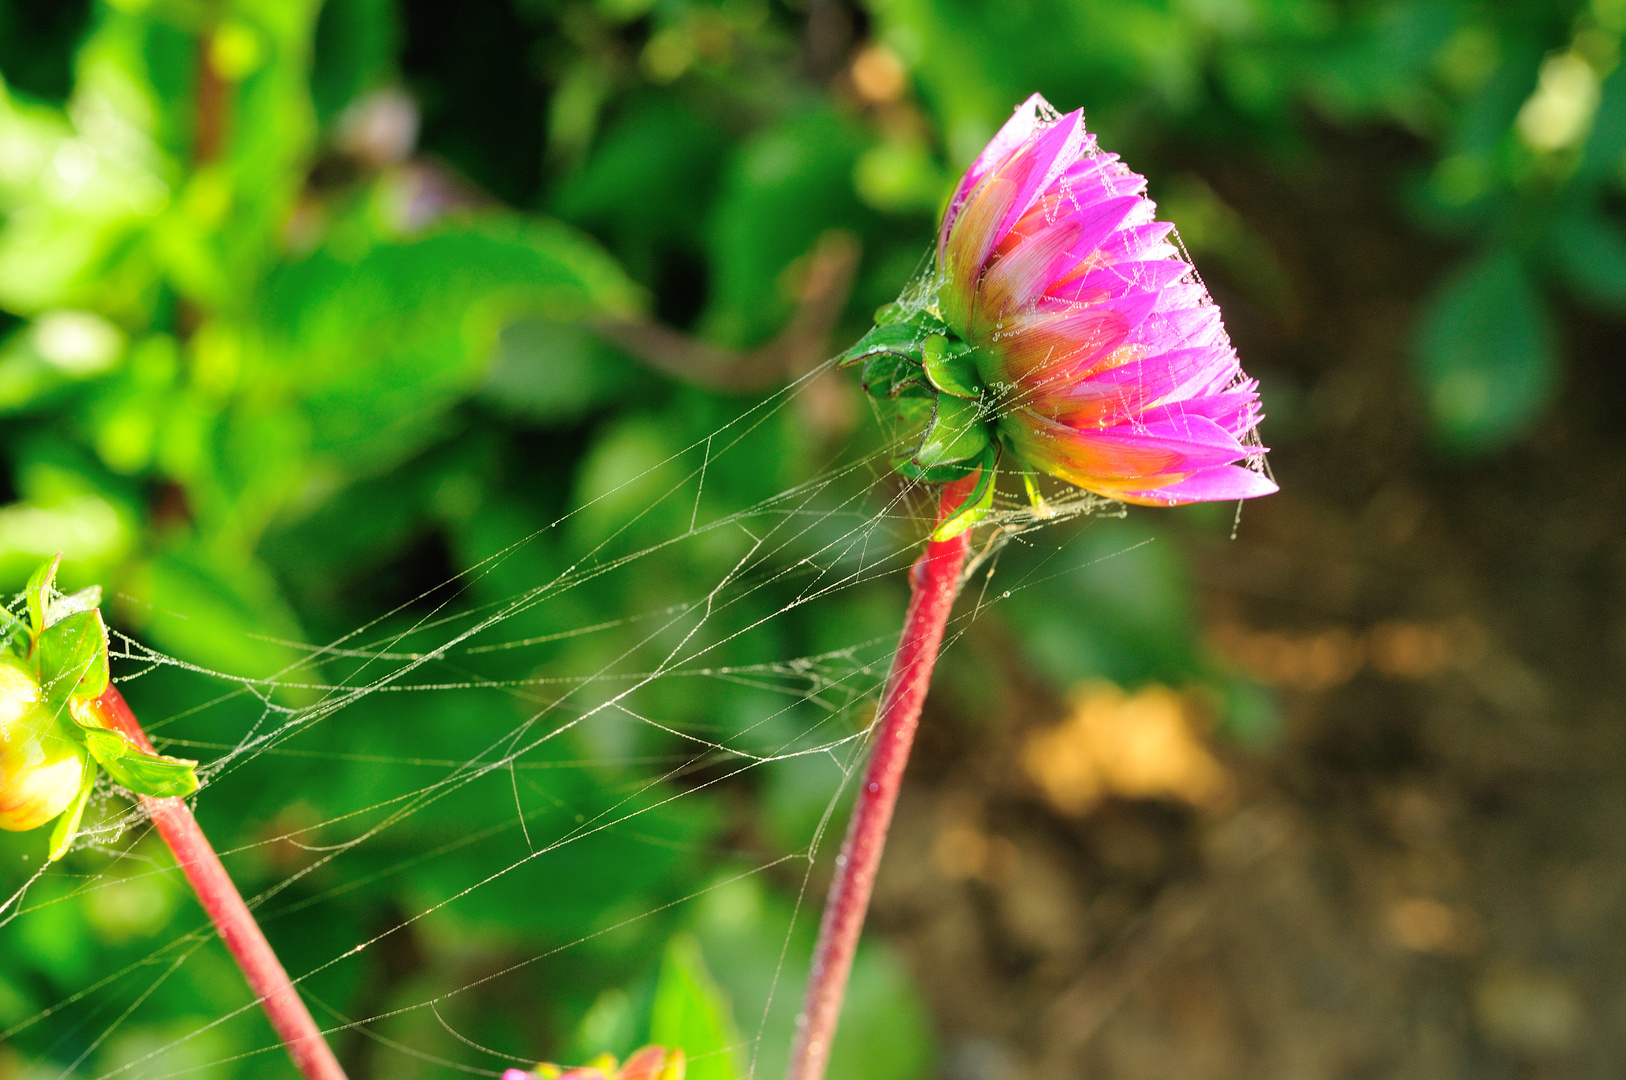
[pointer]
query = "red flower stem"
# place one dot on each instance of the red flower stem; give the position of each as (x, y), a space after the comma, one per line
(933, 581)
(220, 898)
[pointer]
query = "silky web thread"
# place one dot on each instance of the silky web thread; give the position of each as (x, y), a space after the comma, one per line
(853, 544)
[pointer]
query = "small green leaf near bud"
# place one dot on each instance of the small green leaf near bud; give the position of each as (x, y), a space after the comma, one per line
(157, 775)
(937, 474)
(67, 824)
(39, 592)
(88, 599)
(978, 504)
(888, 375)
(887, 314)
(73, 656)
(956, 433)
(949, 366)
(898, 339)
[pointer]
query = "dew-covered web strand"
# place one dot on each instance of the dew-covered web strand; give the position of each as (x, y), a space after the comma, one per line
(864, 545)
(247, 750)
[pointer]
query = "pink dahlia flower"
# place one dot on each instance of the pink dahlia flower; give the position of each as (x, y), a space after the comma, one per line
(1107, 361)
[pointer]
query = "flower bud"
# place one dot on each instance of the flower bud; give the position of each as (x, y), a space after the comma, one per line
(19, 693)
(39, 778)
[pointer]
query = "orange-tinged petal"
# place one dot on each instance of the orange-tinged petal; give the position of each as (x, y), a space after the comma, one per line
(643, 1064)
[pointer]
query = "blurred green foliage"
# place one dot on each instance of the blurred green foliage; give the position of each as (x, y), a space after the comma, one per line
(300, 307)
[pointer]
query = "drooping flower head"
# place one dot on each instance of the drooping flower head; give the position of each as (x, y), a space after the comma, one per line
(1064, 325)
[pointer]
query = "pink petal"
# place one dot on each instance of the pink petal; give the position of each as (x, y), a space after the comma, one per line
(1028, 118)
(1043, 250)
(1125, 453)
(1219, 484)
(996, 204)
(1083, 458)
(1113, 395)
(1037, 348)
(1140, 243)
(1117, 280)
(1040, 164)
(1182, 327)
(1199, 441)
(960, 264)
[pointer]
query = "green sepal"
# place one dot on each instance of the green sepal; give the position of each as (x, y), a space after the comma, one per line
(67, 824)
(899, 333)
(39, 591)
(87, 599)
(157, 775)
(937, 474)
(73, 657)
(900, 339)
(948, 364)
(104, 745)
(978, 505)
(888, 375)
(956, 433)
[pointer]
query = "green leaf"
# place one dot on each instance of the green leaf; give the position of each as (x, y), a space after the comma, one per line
(691, 1013)
(1485, 355)
(555, 373)
(39, 592)
(949, 366)
(784, 187)
(978, 505)
(73, 656)
(86, 599)
(158, 775)
(888, 375)
(104, 745)
(937, 474)
(899, 339)
(67, 825)
(890, 313)
(383, 346)
(956, 433)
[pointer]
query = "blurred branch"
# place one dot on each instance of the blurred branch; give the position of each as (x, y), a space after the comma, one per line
(794, 351)
(213, 101)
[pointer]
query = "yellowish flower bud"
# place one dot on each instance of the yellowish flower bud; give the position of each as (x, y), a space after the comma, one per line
(39, 779)
(18, 695)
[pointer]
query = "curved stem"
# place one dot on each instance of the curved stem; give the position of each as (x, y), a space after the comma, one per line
(933, 582)
(220, 898)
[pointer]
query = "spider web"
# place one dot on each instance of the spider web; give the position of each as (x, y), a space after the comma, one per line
(601, 740)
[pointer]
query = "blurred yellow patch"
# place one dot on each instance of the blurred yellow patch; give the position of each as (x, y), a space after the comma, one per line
(1428, 926)
(879, 75)
(1140, 746)
(1559, 114)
